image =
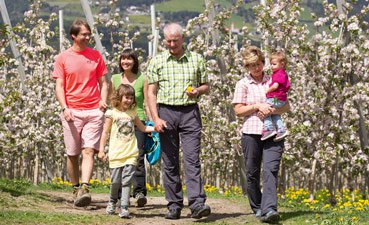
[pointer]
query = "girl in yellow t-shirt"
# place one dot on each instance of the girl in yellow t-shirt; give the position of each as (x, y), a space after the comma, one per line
(123, 151)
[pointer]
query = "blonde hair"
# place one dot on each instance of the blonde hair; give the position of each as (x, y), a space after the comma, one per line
(252, 55)
(122, 90)
(280, 56)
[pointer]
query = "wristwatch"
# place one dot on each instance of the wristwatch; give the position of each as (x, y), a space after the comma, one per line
(63, 109)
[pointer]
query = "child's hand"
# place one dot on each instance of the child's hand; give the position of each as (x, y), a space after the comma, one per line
(150, 129)
(102, 156)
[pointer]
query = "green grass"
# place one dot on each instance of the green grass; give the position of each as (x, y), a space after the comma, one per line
(188, 5)
(37, 217)
(15, 187)
(179, 5)
(236, 20)
(140, 19)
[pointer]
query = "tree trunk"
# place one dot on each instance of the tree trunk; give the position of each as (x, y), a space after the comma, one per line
(36, 169)
(282, 180)
(312, 180)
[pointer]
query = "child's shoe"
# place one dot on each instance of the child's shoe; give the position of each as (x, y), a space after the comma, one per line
(280, 135)
(266, 134)
(124, 213)
(110, 209)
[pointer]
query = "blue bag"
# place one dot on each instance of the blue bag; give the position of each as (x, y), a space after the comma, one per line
(152, 145)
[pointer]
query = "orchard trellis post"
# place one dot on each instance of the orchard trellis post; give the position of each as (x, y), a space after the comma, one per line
(61, 29)
(154, 42)
(90, 21)
(150, 43)
(17, 56)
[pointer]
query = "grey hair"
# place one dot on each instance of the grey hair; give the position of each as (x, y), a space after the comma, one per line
(173, 28)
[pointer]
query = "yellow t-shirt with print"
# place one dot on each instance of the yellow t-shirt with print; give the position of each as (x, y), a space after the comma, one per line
(123, 143)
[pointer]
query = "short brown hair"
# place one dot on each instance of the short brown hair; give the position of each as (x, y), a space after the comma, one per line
(129, 53)
(122, 90)
(252, 55)
(280, 56)
(75, 28)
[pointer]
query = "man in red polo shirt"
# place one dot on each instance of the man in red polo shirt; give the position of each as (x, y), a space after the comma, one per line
(81, 90)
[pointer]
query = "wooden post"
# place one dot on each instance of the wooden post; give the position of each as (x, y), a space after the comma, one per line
(17, 56)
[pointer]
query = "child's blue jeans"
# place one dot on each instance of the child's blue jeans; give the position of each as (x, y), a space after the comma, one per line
(274, 121)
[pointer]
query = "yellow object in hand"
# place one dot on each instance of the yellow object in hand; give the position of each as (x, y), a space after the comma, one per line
(189, 89)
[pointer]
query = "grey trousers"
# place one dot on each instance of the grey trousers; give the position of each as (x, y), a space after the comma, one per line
(183, 126)
(121, 178)
(269, 153)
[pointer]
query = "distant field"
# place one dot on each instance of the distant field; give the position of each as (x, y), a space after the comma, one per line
(188, 5)
(180, 5)
(140, 19)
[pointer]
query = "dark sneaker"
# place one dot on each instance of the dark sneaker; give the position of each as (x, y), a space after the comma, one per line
(173, 214)
(200, 211)
(83, 197)
(258, 214)
(280, 136)
(271, 217)
(141, 200)
(266, 134)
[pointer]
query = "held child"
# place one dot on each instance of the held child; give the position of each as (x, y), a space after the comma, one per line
(276, 96)
(123, 151)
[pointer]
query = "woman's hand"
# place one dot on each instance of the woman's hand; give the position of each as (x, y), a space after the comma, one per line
(264, 110)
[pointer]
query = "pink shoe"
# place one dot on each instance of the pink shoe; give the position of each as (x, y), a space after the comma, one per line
(266, 134)
(280, 136)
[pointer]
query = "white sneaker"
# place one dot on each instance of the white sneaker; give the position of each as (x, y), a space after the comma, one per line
(110, 209)
(124, 213)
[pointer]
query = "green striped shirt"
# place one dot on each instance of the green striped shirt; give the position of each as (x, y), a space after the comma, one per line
(175, 75)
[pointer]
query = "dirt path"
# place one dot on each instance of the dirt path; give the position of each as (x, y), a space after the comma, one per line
(224, 211)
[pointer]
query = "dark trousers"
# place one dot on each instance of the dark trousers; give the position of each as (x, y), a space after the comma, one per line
(183, 126)
(269, 153)
(139, 179)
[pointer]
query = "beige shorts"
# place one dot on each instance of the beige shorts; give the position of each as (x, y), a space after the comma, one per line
(84, 131)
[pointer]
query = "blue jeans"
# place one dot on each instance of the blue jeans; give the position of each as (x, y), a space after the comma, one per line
(274, 122)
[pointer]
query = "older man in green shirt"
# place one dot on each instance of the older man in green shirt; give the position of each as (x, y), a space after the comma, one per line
(177, 78)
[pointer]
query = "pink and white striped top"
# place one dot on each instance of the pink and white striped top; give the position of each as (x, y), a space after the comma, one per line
(248, 92)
